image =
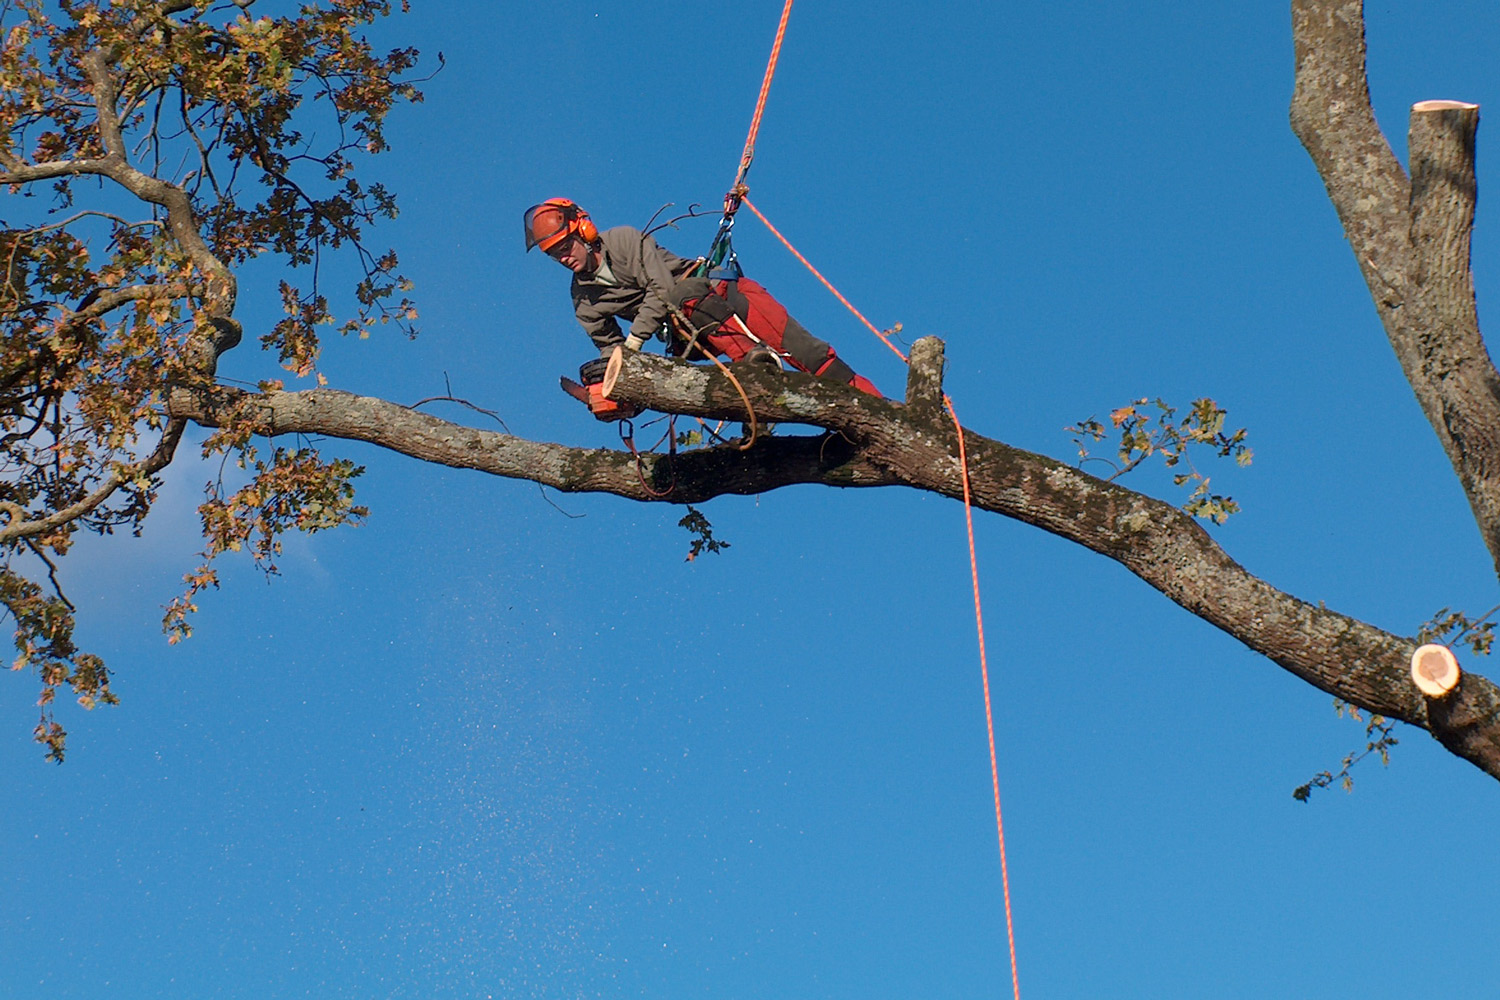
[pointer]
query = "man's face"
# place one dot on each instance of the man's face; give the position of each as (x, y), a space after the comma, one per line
(572, 253)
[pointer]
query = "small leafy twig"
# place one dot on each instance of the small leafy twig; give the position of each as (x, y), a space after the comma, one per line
(1150, 427)
(699, 526)
(1377, 744)
(1455, 628)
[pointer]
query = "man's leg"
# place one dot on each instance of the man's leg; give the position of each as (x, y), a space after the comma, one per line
(768, 320)
(717, 310)
(710, 319)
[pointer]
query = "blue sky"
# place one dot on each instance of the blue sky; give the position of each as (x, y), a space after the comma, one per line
(482, 748)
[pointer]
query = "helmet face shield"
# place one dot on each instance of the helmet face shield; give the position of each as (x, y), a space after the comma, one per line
(546, 224)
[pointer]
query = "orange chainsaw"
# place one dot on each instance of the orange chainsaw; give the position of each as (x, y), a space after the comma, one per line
(591, 392)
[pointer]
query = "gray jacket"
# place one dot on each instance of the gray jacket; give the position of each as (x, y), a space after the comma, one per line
(630, 285)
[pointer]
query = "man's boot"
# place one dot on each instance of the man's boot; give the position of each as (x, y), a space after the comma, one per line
(761, 354)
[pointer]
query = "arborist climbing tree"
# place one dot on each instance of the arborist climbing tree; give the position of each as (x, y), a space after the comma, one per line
(622, 273)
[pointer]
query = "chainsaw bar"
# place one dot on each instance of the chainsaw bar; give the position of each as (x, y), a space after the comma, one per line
(575, 390)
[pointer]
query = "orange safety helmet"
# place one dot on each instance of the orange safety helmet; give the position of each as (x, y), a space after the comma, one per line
(555, 219)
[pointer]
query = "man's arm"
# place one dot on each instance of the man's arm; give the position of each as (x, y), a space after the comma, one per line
(656, 268)
(601, 326)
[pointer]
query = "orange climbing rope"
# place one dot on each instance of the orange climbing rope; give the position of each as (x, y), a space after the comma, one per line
(760, 102)
(989, 717)
(826, 283)
(984, 667)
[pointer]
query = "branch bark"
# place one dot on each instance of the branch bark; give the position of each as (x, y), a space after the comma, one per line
(924, 377)
(691, 477)
(25, 173)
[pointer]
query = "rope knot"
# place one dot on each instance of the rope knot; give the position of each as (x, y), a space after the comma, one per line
(733, 198)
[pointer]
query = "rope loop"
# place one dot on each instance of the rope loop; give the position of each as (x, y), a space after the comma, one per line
(627, 435)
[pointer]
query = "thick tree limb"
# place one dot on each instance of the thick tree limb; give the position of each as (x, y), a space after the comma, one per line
(1332, 115)
(1411, 239)
(1456, 380)
(698, 475)
(96, 64)
(108, 302)
(881, 442)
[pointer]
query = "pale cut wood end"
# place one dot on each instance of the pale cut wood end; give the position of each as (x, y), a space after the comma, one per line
(1434, 670)
(612, 371)
(1443, 106)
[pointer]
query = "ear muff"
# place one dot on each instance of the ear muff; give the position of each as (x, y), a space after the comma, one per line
(584, 227)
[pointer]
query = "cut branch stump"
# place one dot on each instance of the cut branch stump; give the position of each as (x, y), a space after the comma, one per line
(1434, 670)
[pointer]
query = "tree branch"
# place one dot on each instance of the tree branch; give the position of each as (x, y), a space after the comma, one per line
(1449, 365)
(220, 286)
(107, 302)
(26, 173)
(1332, 115)
(924, 376)
(1411, 239)
(1157, 542)
(698, 475)
(96, 65)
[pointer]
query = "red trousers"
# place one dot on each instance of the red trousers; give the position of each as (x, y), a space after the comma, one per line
(733, 317)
